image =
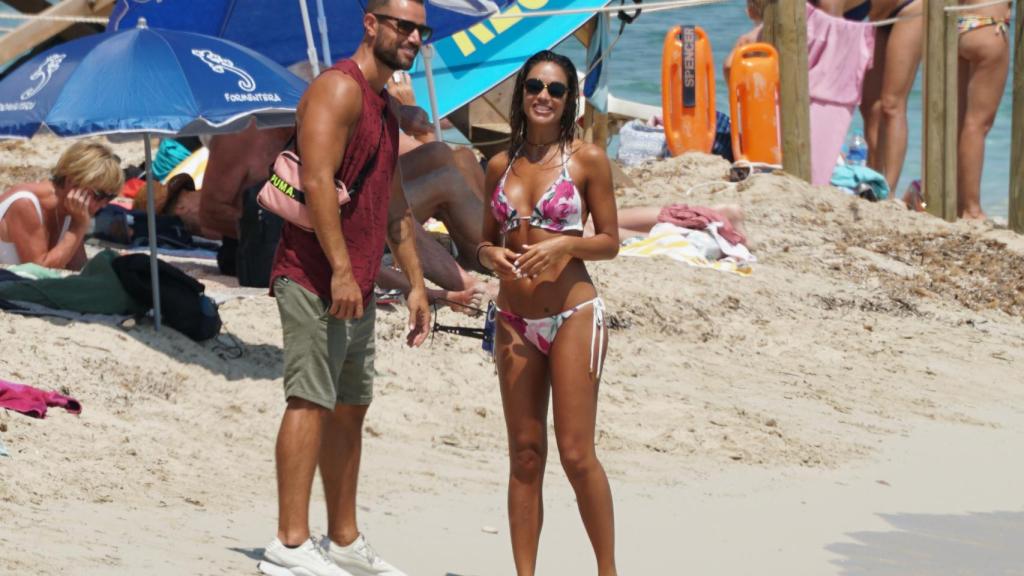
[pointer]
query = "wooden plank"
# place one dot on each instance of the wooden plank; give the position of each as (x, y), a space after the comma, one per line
(785, 26)
(37, 6)
(33, 32)
(933, 158)
(1016, 219)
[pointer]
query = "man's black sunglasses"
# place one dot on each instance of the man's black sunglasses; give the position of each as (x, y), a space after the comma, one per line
(535, 85)
(406, 27)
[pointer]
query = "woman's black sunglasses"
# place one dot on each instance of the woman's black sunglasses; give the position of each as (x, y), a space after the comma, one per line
(535, 85)
(406, 27)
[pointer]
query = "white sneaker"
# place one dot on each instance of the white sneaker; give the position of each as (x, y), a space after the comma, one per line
(306, 560)
(358, 558)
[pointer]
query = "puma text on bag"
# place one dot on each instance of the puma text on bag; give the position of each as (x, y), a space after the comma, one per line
(282, 193)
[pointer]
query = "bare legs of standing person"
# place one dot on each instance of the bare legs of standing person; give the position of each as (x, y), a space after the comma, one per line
(902, 57)
(984, 64)
(524, 373)
(871, 99)
(312, 435)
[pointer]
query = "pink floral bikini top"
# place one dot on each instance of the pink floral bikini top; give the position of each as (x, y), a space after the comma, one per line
(558, 210)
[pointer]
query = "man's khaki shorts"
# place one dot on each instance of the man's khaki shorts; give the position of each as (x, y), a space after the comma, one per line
(326, 361)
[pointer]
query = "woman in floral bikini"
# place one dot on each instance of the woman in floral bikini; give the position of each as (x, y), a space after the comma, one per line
(551, 335)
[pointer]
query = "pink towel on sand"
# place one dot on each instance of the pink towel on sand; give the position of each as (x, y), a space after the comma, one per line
(32, 401)
(839, 54)
(698, 218)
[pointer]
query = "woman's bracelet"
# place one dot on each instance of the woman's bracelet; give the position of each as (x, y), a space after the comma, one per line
(480, 247)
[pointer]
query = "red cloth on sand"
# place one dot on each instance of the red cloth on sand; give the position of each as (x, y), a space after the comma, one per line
(698, 218)
(32, 401)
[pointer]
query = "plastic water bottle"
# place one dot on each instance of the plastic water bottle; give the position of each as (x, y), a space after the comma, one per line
(857, 151)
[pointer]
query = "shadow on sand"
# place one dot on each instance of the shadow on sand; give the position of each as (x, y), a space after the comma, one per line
(976, 544)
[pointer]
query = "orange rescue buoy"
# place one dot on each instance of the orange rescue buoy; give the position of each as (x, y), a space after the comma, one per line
(753, 103)
(688, 90)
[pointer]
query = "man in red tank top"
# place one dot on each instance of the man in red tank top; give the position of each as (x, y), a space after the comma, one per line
(323, 283)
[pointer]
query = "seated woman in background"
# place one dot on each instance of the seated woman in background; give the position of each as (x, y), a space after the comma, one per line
(46, 222)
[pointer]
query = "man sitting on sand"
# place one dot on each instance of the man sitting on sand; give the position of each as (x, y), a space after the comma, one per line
(438, 182)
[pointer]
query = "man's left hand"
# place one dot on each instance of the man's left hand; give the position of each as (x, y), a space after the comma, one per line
(419, 317)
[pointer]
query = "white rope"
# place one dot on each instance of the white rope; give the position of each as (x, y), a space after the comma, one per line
(969, 7)
(888, 21)
(652, 7)
(45, 17)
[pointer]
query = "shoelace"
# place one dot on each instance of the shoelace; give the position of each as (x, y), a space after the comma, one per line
(371, 555)
(321, 550)
(367, 550)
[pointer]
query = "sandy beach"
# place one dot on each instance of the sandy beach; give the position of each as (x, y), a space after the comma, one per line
(855, 406)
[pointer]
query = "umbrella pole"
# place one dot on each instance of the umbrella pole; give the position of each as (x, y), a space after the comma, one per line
(154, 277)
(428, 54)
(314, 62)
(321, 22)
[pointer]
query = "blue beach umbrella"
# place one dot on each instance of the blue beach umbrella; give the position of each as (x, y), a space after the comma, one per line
(281, 29)
(147, 81)
(277, 28)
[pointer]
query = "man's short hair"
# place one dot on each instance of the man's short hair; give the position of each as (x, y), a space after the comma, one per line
(375, 5)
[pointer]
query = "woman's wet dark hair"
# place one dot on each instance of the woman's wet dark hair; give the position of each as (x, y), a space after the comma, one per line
(517, 118)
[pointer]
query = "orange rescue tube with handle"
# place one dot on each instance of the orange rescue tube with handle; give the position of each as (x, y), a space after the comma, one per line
(688, 90)
(753, 103)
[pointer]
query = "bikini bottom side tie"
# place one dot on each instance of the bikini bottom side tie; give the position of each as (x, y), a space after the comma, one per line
(541, 332)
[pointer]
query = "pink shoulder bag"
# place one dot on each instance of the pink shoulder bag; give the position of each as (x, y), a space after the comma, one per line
(282, 193)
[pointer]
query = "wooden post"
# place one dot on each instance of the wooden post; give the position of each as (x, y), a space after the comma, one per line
(785, 26)
(595, 124)
(951, 134)
(939, 153)
(1017, 134)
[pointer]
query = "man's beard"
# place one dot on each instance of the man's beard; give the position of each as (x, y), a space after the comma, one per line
(389, 56)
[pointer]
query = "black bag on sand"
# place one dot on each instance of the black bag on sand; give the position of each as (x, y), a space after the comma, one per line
(182, 302)
(258, 233)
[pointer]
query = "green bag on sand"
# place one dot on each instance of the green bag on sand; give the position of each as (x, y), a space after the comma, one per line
(96, 290)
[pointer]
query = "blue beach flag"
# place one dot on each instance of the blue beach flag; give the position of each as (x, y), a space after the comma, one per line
(471, 62)
(595, 87)
(275, 27)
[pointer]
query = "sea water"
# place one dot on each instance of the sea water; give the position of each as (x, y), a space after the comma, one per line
(635, 69)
